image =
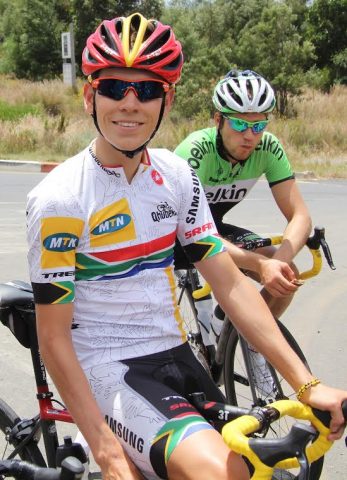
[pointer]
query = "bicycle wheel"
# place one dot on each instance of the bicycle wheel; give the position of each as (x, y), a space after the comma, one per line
(238, 390)
(29, 452)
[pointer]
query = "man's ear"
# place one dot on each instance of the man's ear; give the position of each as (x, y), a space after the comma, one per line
(88, 95)
(217, 119)
(169, 99)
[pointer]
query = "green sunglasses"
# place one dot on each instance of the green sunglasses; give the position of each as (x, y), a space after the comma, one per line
(240, 125)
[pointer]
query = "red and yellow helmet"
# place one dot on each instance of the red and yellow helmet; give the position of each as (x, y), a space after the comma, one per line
(134, 42)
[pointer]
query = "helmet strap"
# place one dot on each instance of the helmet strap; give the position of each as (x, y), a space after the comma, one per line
(130, 153)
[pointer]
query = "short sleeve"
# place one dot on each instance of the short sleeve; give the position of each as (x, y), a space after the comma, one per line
(196, 232)
(278, 168)
(53, 235)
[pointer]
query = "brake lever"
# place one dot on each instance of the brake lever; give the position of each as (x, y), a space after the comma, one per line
(327, 253)
(318, 240)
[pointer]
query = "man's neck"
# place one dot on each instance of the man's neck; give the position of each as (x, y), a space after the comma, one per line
(109, 157)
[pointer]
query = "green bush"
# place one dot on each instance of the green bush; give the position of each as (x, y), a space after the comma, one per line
(14, 112)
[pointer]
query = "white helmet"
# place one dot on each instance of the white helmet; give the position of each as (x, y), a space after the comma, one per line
(244, 92)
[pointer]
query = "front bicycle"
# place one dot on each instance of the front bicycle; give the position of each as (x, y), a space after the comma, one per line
(248, 384)
(271, 459)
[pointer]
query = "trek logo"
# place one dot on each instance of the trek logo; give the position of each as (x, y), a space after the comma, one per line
(198, 230)
(164, 210)
(54, 275)
(125, 433)
(61, 242)
(112, 224)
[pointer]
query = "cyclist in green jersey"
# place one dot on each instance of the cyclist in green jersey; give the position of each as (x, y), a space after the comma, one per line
(231, 157)
(101, 229)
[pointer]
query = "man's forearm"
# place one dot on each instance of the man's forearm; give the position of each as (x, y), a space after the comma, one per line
(244, 258)
(294, 238)
(243, 304)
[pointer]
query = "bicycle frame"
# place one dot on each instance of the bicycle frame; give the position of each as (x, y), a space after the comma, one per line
(49, 414)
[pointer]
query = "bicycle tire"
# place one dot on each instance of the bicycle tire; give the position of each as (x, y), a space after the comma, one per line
(236, 394)
(30, 452)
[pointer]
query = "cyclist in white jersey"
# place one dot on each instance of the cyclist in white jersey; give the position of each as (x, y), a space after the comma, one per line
(101, 232)
(229, 159)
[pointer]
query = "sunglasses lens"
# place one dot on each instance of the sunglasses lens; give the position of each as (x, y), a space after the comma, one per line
(259, 127)
(149, 90)
(110, 88)
(117, 89)
(238, 124)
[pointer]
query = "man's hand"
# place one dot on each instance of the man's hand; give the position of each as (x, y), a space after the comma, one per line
(118, 466)
(277, 277)
(328, 399)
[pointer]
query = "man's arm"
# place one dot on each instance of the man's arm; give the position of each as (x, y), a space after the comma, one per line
(293, 207)
(243, 304)
(56, 348)
(276, 276)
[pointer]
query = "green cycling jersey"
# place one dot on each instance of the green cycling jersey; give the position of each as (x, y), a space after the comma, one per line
(225, 184)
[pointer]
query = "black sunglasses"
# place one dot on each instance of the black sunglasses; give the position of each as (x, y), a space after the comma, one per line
(117, 89)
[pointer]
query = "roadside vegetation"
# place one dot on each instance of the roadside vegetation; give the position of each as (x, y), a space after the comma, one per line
(45, 121)
(299, 46)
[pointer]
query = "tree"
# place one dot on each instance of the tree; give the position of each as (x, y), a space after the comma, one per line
(327, 20)
(275, 49)
(31, 47)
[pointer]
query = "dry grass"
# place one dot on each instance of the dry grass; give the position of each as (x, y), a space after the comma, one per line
(315, 139)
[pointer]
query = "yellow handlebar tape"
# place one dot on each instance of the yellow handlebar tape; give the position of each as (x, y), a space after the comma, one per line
(312, 272)
(235, 436)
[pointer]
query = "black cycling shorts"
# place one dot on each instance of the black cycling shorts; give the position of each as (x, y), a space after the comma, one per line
(145, 402)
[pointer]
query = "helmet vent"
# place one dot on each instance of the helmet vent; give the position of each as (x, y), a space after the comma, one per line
(118, 25)
(249, 88)
(135, 23)
(108, 39)
(262, 98)
(221, 100)
(175, 63)
(233, 94)
(104, 54)
(157, 43)
(153, 60)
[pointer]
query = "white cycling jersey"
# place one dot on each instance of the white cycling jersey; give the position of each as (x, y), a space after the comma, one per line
(108, 245)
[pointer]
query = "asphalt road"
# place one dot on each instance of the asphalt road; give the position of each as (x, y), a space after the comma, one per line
(317, 316)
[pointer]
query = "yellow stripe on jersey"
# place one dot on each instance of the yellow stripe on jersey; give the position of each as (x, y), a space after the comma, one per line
(177, 313)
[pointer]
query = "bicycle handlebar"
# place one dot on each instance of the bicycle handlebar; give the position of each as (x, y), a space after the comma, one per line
(314, 243)
(71, 469)
(266, 454)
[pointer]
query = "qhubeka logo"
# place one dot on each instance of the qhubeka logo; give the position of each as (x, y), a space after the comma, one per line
(60, 242)
(112, 224)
